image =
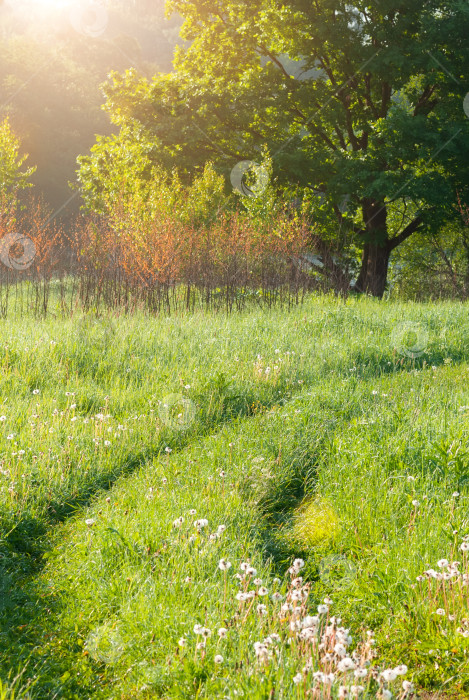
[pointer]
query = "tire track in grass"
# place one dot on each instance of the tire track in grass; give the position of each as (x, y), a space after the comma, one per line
(137, 461)
(182, 469)
(126, 570)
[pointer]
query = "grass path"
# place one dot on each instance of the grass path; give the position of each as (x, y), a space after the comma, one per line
(358, 430)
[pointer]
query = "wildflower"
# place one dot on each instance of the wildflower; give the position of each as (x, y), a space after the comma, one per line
(222, 632)
(107, 443)
(401, 670)
(178, 522)
(213, 536)
(455, 494)
(241, 597)
(192, 511)
(442, 563)
(188, 579)
(327, 600)
(10, 437)
(218, 659)
(387, 695)
(298, 564)
(408, 686)
(276, 597)
(297, 582)
(343, 692)
(298, 678)
(356, 690)
(262, 591)
(182, 642)
(244, 566)
(221, 528)
(200, 645)
(262, 609)
(206, 632)
(346, 664)
(310, 621)
(198, 629)
(464, 547)
(415, 503)
(323, 609)
(35, 391)
(90, 522)
(257, 581)
(360, 673)
(224, 565)
(199, 524)
(340, 650)
(389, 675)
(262, 651)
(251, 571)
(430, 573)
(440, 611)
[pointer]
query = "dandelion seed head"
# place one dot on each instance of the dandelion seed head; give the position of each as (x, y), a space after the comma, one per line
(401, 669)
(389, 675)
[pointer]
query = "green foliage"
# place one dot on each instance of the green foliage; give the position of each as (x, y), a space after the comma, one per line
(12, 178)
(121, 180)
(98, 585)
(364, 101)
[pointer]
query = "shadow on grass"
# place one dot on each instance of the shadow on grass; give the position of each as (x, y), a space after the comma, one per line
(25, 638)
(24, 608)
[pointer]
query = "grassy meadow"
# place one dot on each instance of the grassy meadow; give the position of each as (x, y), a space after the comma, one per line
(266, 505)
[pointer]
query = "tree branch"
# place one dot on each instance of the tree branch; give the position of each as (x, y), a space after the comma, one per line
(405, 234)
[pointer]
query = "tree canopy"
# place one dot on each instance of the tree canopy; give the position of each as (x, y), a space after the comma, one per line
(361, 100)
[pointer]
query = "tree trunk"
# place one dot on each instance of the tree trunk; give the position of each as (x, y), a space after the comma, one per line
(377, 249)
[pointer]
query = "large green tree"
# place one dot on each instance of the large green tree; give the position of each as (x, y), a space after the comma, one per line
(363, 100)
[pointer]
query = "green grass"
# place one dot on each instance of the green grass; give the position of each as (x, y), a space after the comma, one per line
(361, 414)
